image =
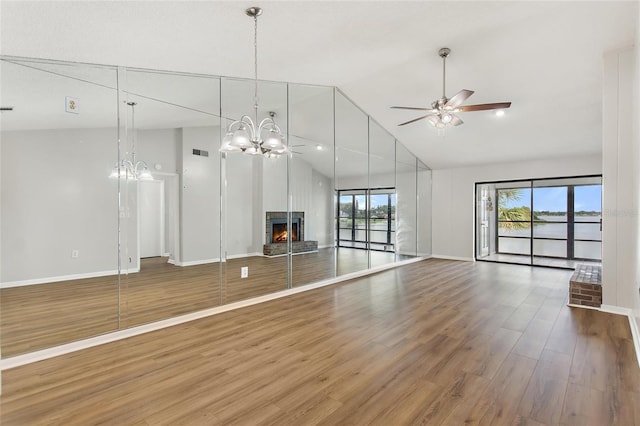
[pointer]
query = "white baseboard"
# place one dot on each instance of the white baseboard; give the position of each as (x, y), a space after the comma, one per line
(59, 278)
(616, 310)
(239, 256)
(635, 333)
(19, 360)
(463, 259)
(194, 262)
(573, 305)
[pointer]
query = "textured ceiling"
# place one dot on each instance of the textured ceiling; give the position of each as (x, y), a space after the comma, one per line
(545, 57)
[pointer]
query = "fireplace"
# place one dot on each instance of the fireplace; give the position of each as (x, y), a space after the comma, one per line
(277, 234)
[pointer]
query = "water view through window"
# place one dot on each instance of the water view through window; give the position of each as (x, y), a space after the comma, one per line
(549, 222)
(375, 230)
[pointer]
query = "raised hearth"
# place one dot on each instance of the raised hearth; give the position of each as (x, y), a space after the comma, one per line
(277, 249)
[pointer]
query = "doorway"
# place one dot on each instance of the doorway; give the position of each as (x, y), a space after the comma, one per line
(151, 202)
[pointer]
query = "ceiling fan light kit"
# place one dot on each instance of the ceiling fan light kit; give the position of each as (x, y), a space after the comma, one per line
(442, 111)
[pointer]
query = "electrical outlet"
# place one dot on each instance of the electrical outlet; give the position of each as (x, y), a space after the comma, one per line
(71, 105)
(244, 272)
(75, 254)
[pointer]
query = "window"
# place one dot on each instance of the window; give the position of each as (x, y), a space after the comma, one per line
(366, 220)
(549, 222)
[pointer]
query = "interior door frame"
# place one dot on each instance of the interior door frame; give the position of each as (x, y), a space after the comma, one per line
(160, 182)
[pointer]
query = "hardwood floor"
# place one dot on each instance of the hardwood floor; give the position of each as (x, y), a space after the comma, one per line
(434, 342)
(39, 316)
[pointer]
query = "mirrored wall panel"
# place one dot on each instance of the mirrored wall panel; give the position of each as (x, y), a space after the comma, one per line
(352, 186)
(407, 202)
(120, 209)
(170, 185)
(59, 143)
(382, 196)
(255, 197)
(423, 222)
(311, 183)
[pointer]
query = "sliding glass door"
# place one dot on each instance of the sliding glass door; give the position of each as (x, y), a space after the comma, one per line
(545, 222)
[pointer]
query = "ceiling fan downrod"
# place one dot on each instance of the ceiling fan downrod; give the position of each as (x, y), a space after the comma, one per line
(444, 52)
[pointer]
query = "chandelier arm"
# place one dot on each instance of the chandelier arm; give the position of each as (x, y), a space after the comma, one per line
(246, 120)
(127, 165)
(140, 163)
(266, 121)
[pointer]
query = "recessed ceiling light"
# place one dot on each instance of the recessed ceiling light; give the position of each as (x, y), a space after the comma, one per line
(319, 147)
(499, 113)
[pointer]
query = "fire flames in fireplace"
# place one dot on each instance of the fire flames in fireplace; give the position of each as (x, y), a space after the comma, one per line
(279, 233)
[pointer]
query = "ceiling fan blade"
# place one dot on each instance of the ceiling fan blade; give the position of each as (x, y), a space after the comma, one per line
(455, 120)
(458, 99)
(415, 119)
(483, 107)
(412, 108)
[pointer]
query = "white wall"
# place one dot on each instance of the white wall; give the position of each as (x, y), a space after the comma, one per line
(423, 222)
(453, 196)
(157, 147)
(321, 222)
(200, 195)
(621, 186)
(243, 204)
(57, 197)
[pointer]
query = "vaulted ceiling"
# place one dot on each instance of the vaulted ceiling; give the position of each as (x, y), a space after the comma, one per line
(545, 57)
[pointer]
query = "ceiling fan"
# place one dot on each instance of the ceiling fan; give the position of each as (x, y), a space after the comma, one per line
(442, 111)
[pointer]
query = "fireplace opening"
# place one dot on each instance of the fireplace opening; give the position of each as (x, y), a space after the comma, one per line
(280, 234)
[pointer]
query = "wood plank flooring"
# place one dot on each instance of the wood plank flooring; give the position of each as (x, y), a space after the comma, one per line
(435, 342)
(39, 316)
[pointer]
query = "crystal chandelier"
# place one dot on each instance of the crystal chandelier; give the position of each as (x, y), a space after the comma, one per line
(250, 136)
(132, 169)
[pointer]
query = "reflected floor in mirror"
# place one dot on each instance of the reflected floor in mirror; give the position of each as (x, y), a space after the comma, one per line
(44, 315)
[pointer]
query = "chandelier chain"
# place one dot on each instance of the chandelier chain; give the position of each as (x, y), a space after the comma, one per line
(133, 130)
(255, 65)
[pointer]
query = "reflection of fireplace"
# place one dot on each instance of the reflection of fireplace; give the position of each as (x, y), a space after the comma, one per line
(276, 227)
(279, 233)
